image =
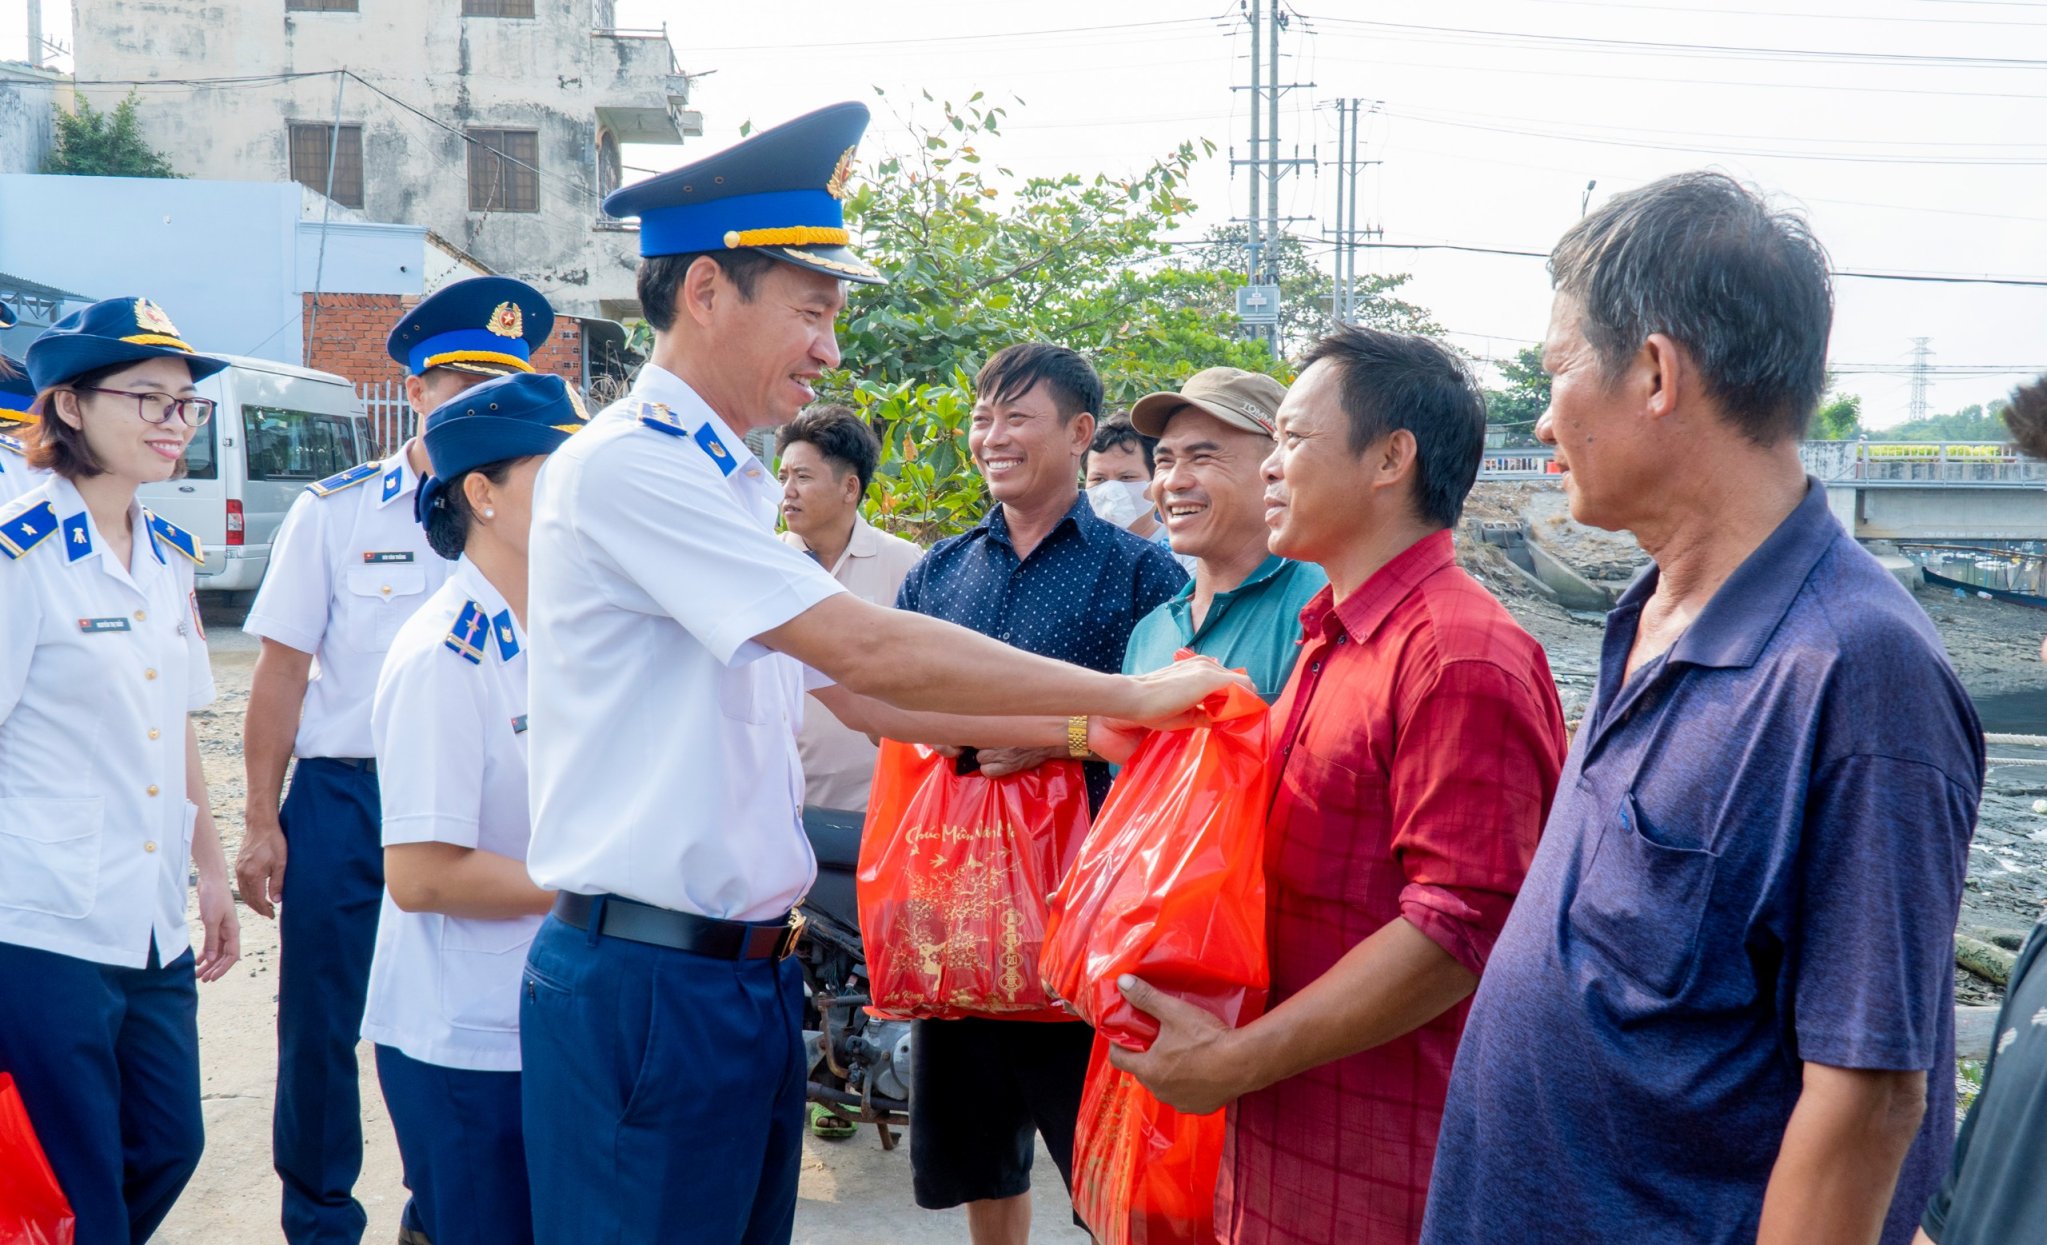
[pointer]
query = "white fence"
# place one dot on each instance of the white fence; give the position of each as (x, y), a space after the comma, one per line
(1961, 464)
(390, 415)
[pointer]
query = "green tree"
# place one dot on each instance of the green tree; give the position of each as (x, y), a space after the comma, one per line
(91, 143)
(1839, 418)
(976, 261)
(1972, 423)
(1511, 411)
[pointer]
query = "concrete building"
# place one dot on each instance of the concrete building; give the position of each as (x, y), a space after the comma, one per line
(29, 99)
(495, 124)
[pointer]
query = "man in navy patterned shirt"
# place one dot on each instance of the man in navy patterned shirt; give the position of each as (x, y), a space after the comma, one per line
(1042, 573)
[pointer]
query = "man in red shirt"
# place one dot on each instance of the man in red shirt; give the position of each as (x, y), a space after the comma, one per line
(1419, 750)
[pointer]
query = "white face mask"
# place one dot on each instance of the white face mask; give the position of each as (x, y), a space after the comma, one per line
(1121, 502)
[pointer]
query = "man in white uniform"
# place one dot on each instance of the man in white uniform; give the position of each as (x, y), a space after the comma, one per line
(663, 1060)
(349, 566)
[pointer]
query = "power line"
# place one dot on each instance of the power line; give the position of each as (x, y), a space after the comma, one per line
(1856, 273)
(969, 38)
(1656, 47)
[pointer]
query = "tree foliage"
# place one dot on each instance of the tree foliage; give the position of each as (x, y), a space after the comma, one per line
(1974, 422)
(1307, 294)
(978, 259)
(91, 143)
(1511, 411)
(1839, 418)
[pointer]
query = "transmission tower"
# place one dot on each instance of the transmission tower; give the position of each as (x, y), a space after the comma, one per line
(1921, 374)
(1263, 225)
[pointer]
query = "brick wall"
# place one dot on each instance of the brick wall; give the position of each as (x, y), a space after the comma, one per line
(349, 339)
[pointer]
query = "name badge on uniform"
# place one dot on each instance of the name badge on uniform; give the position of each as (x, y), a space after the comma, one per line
(93, 626)
(391, 555)
(519, 725)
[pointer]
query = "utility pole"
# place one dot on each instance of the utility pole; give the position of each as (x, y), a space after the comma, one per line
(1264, 227)
(1343, 304)
(1921, 356)
(35, 33)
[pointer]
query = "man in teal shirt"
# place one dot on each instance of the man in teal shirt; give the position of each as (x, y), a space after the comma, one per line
(1243, 606)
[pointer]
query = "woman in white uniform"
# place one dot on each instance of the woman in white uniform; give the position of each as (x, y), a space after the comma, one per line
(103, 804)
(459, 909)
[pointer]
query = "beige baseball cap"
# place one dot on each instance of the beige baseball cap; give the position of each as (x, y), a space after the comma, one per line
(1241, 399)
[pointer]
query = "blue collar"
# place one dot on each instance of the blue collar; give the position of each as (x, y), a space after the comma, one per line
(1272, 565)
(1742, 616)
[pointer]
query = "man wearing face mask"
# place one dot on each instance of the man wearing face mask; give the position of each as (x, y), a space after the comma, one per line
(1243, 606)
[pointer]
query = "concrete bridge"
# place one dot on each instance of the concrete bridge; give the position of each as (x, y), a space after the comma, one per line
(1892, 490)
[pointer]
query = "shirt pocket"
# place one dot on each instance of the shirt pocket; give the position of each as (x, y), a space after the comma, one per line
(50, 854)
(1641, 901)
(384, 597)
(743, 692)
(1338, 825)
(480, 965)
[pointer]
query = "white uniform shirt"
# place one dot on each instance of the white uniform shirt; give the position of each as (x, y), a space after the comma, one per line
(838, 761)
(346, 571)
(16, 476)
(664, 749)
(450, 727)
(101, 663)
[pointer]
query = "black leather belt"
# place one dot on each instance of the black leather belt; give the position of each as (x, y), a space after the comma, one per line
(367, 765)
(682, 931)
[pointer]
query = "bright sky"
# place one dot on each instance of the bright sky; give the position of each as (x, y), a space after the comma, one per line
(1913, 132)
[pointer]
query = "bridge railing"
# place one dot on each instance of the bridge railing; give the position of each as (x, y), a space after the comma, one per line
(1965, 464)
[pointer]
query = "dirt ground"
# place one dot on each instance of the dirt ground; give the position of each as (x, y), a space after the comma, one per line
(852, 1192)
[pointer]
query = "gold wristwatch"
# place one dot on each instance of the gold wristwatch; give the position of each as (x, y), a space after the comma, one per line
(1076, 737)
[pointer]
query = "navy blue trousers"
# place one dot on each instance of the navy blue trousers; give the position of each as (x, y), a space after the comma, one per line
(663, 1092)
(464, 1155)
(107, 1061)
(327, 929)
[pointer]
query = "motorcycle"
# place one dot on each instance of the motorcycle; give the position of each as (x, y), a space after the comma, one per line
(859, 1064)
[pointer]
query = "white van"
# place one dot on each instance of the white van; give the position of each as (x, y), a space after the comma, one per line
(277, 428)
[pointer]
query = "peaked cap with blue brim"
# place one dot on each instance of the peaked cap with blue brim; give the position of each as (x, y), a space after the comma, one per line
(114, 330)
(487, 325)
(777, 193)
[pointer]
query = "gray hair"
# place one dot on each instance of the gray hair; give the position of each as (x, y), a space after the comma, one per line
(1704, 260)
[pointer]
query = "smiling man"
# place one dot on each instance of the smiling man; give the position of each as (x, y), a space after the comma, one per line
(1418, 744)
(1042, 573)
(1243, 606)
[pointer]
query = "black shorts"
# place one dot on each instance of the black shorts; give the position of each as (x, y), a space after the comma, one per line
(979, 1089)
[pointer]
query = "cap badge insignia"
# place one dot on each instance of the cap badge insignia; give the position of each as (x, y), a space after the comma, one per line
(841, 174)
(151, 318)
(508, 320)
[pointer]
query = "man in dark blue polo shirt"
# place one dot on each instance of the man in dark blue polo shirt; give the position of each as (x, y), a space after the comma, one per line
(1722, 1009)
(1042, 573)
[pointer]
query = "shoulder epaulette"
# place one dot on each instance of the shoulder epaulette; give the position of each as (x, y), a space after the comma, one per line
(24, 525)
(14, 443)
(661, 419)
(169, 533)
(345, 480)
(469, 634)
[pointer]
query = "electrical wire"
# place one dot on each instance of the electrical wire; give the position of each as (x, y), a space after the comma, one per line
(1856, 273)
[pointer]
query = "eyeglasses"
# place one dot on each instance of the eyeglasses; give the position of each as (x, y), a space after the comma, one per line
(157, 408)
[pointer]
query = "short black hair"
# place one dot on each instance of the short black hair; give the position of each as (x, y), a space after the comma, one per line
(2027, 417)
(1704, 259)
(661, 277)
(841, 436)
(1069, 378)
(1116, 432)
(447, 524)
(1390, 381)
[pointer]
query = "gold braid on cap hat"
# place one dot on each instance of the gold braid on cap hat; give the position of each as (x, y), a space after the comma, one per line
(793, 235)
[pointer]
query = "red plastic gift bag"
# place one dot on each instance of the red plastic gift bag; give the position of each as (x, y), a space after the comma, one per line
(955, 873)
(33, 1209)
(1143, 1173)
(1169, 884)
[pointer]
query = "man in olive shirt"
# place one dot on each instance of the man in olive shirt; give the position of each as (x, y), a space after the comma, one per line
(1243, 606)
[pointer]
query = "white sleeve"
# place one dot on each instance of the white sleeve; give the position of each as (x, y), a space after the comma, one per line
(21, 621)
(292, 605)
(672, 528)
(199, 690)
(428, 725)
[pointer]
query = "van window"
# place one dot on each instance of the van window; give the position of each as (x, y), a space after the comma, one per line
(201, 460)
(297, 445)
